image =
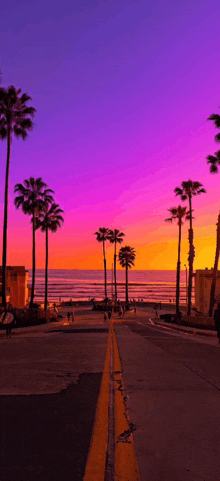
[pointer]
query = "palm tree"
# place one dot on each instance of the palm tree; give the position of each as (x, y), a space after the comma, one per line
(190, 189)
(115, 237)
(178, 213)
(15, 118)
(33, 193)
(214, 161)
(102, 236)
(126, 257)
(49, 219)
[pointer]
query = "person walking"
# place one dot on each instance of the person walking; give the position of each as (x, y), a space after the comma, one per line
(109, 315)
(8, 321)
(68, 316)
(217, 320)
(105, 316)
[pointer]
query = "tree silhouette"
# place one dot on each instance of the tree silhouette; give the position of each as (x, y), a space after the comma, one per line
(33, 194)
(178, 213)
(188, 190)
(115, 237)
(126, 257)
(102, 236)
(15, 118)
(214, 163)
(49, 219)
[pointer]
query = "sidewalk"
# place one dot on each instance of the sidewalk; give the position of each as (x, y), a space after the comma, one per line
(24, 330)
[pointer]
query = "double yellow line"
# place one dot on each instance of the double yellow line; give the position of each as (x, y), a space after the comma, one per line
(125, 461)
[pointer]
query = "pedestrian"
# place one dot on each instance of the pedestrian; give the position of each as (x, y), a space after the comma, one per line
(8, 321)
(217, 320)
(105, 316)
(109, 315)
(68, 316)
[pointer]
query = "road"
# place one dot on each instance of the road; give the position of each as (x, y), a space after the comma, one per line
(49, 391)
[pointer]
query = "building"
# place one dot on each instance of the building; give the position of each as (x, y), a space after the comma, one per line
(17, 285)
(203, 279)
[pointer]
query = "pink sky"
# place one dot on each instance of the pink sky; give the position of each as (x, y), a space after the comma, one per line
(122, 90)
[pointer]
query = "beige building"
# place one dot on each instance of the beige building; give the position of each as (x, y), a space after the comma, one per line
(203, 279)
(17, 285)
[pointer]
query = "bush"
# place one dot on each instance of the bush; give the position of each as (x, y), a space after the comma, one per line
(30, 316)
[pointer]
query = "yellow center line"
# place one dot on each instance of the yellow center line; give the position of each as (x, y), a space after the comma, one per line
(126, 466)
(96, 461)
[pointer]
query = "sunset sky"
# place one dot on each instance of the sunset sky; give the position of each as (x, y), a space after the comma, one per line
(122, 89)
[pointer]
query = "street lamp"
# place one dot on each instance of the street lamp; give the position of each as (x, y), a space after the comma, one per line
(186, 284)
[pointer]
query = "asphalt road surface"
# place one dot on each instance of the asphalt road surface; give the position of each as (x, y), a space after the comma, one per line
(172, 382)
(49, 389)
(48, 393)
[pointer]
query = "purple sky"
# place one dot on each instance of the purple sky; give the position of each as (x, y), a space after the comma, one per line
(122, 91)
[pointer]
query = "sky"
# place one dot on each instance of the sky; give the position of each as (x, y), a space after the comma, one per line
(122, 90)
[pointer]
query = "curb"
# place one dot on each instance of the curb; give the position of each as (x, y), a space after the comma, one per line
(190, 330)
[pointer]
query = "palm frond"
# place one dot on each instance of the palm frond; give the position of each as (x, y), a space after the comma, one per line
(15, 112)
(216, 120)
(178, 191)
(126, 256)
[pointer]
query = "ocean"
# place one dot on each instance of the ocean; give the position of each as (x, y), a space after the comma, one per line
(82, 285)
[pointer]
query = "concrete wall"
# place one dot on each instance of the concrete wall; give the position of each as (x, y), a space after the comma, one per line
(17, 283)
(203, 279)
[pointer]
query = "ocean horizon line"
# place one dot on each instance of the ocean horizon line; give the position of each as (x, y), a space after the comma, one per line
(101, 270)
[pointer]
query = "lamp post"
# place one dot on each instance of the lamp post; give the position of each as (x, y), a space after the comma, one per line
(186, 285)
(112, 283)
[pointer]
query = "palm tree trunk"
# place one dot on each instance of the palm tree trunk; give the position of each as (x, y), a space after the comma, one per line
(215, 270)
(191, 257)
(178, 272)
(126, 274)
(4, 243)
(115, 257)
(105, 270)
(33, 263)
(46, 271)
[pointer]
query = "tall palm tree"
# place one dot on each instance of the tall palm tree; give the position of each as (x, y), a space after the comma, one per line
(102, 236)
(178, 213)
(115, 237)
(33, 193)
(49, 219)
(126, 257)
(188, 190)
(15, 118)
(214, 163)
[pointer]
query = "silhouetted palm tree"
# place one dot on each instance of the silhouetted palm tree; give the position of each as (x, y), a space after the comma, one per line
(126, 257)
(190, 189)
(15, 118)
(178, 213)
(115, 237)
(33, 193)
(102, 236)
(214, 161)
(49, 219)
